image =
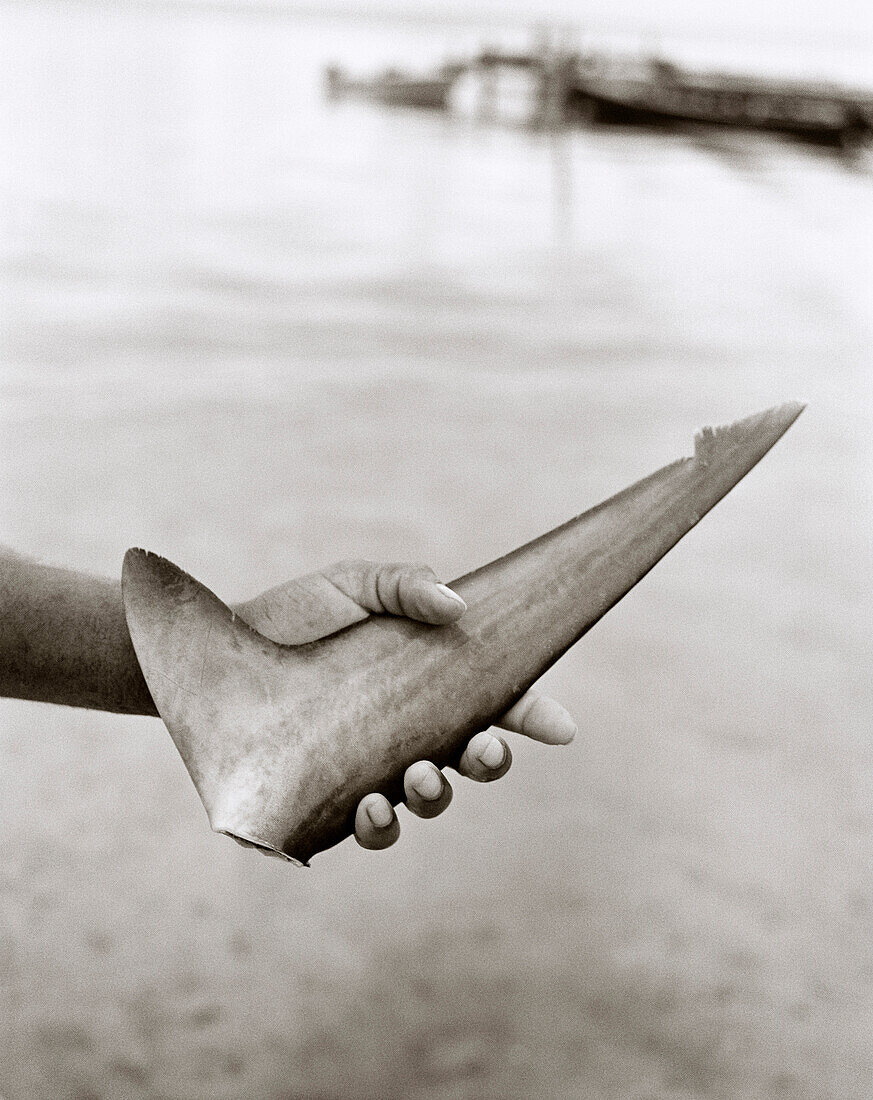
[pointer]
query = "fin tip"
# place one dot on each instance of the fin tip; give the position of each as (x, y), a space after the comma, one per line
(778, 420)
(137, 555)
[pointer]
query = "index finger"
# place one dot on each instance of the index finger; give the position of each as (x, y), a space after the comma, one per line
(540, 718)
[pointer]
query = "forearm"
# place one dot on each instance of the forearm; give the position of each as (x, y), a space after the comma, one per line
(64, 639)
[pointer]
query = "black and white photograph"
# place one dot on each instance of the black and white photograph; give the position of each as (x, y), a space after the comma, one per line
(436, 541)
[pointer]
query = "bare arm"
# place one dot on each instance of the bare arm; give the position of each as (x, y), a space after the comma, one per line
(64, 639)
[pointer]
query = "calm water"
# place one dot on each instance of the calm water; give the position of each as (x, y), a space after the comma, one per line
(257, 333)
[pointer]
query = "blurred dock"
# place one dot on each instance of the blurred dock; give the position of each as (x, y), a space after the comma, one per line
(655, 92)
(569, 87)
(393, 88)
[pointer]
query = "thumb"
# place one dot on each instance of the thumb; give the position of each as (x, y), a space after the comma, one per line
(319, 604)
(397, 588)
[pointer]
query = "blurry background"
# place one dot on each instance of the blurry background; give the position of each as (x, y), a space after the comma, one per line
(258, 332)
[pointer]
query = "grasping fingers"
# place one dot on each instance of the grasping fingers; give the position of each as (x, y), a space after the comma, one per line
(320, 604)
(428, 793)
(487, 757)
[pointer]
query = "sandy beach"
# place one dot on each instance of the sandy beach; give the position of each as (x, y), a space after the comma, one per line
(258, 334)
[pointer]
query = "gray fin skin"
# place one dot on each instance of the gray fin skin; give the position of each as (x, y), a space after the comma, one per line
(283, 742)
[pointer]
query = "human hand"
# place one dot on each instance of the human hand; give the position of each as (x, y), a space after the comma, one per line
(320, 604)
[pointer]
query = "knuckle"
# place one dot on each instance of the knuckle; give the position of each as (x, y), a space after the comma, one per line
(524, 708)
(387, 588)
(415, 568)
(530, 715)
(350, 565)
(412, 581)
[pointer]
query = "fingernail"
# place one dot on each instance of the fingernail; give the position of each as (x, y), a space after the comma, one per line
(380, 813)
(493, 754)
(430, 786)
(446, 591)
(562, 728)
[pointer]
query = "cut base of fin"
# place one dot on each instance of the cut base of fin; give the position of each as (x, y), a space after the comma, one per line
(260, 846)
